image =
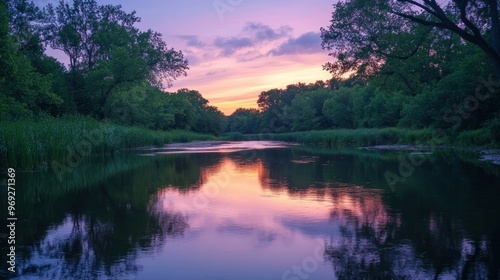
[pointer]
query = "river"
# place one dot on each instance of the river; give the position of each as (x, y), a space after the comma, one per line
(261, 210)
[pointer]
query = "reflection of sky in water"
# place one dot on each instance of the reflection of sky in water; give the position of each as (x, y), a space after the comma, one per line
(239, 228)
(234, 221)
(216, 147)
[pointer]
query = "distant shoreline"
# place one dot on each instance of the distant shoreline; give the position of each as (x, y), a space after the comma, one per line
(368, 137)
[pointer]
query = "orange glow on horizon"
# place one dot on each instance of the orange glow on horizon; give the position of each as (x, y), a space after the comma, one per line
(232, 84)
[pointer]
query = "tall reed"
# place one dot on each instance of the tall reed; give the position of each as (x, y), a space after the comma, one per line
(33, 145)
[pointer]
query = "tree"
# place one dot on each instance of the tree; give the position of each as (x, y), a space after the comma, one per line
(318, 98)
(120, 69)
(201, 117)
(106, 50)
(213, 120)
(24, 93)
(245, 121)
(384, 110)
(303, 113)
(23, 23)
(88, 33)
(272, 104)
(476, 21)
(364, 34)
(275, 104)
(339, 109)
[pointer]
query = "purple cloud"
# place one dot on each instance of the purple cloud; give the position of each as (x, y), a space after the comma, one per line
(192, 41)
(262, 32)
(309, 42)
(230, 45)
(253, 34)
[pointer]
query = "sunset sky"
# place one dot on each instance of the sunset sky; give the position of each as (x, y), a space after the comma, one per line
(239, 48)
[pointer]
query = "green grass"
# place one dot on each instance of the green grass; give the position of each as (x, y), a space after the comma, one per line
(479, 137)
(375, 136)
(34, 145)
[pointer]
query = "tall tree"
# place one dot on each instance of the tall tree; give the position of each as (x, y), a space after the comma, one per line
(302, 113)
(24, 93)
(75, 29)
(106, 50)
(24, 21)
(244, 121)
(87, 33)
(476, 21)
(365, 33)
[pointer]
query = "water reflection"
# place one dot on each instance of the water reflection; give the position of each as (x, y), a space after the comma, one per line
(376, 243)
(256, 214)
(97, 230)
(443, 222)
(239, 230)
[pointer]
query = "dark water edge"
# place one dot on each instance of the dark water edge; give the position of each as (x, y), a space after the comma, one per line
(442, 220)
(362, 137)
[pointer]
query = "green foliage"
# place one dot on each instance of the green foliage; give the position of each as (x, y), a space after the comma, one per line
(303, 114)
(351, 37)
(200, 116)
(245, 121)
(116, 71)
(403, 74)
(34, 145)
(138, 105)
(120, 70)
(275, 106)
(478, 137)
(384, 110)
(147, 106)
(418, 113)
(339, 108)
(458, 101)
(411, 40)
(418, 69)
(493, 126)
(107, 52)
(24, 92)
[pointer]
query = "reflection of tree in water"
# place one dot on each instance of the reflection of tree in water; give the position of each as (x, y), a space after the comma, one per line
(362, 214)
(434, 226)
(101, 230)
(104, 242)
(300, 172)
(377, 243)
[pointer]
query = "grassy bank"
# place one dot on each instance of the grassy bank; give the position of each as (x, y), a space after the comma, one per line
(384, 136)
(34, 145)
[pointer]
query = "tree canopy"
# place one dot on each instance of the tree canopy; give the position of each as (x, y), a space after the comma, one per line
(364, 34)
(116, 71)
(90, 35)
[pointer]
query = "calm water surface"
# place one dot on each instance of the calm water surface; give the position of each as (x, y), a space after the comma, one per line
(261, 210)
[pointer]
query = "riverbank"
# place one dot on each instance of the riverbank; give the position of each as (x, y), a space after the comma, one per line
(31, 145)
(385, 136)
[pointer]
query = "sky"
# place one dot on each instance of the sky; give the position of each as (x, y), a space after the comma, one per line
(238, 48)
